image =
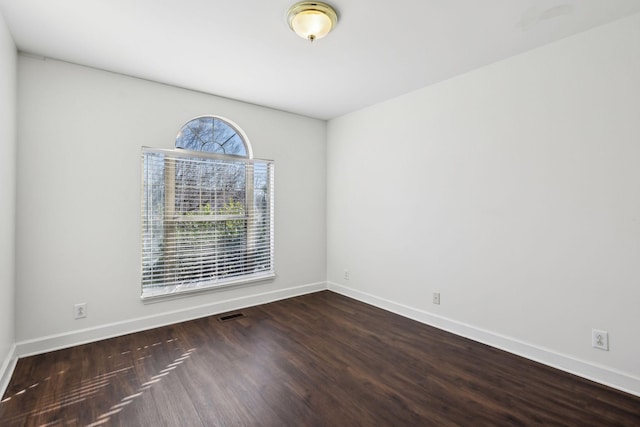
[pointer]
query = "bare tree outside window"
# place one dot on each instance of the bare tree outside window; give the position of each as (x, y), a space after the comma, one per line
(207, 211)
(211, 135)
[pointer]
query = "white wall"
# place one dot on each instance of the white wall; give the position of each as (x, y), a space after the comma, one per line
(78, 226)
(513, 191)
(8, 64)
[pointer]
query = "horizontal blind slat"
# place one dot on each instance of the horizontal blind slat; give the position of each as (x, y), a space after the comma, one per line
(206, 219)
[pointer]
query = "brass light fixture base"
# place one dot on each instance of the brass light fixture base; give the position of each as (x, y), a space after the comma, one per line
(312, 20)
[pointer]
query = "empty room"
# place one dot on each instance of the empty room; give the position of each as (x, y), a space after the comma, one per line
(270, 213)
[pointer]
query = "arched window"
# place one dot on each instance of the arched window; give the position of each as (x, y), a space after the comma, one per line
(207, 211)
(213, 134)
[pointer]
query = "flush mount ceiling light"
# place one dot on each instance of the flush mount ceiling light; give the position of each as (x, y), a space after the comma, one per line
(311, 20)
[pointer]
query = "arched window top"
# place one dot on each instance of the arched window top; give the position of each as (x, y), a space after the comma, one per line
(213, 134)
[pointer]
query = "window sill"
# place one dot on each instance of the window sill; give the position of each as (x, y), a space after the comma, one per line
(220, 285)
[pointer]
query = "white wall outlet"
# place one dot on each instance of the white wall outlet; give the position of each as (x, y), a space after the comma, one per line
(436, 298)
(80, 310)
(346, 274)
(600, 339)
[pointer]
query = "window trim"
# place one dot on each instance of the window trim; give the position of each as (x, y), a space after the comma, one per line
(233, 125)
(220, 286)
(225, 283)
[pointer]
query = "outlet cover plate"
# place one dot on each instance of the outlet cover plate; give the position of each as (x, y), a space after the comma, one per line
(80, 310)
(600, 339)
(436, 298)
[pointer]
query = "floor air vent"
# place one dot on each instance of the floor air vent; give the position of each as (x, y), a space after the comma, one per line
(226, 317)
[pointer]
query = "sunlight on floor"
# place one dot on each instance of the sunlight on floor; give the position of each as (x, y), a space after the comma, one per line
(91, 388)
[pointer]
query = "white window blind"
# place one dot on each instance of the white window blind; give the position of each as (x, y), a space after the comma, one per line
(207, 221)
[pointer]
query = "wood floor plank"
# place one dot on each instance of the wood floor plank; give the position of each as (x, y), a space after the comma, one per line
(316, 360)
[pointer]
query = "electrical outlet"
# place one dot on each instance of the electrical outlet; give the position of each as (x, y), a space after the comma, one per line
(600, 339)
(80, 310)
(436, 298)
(346, 274)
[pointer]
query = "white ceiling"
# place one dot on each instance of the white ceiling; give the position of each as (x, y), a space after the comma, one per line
(243, 49)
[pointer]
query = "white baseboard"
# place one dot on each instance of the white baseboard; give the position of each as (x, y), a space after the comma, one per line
(83, 336)
(6, 369)
(599, 374)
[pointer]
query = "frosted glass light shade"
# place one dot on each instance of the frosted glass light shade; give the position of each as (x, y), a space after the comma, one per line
(311, 20)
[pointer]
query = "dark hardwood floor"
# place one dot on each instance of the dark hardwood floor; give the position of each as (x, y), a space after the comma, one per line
(315, 360)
